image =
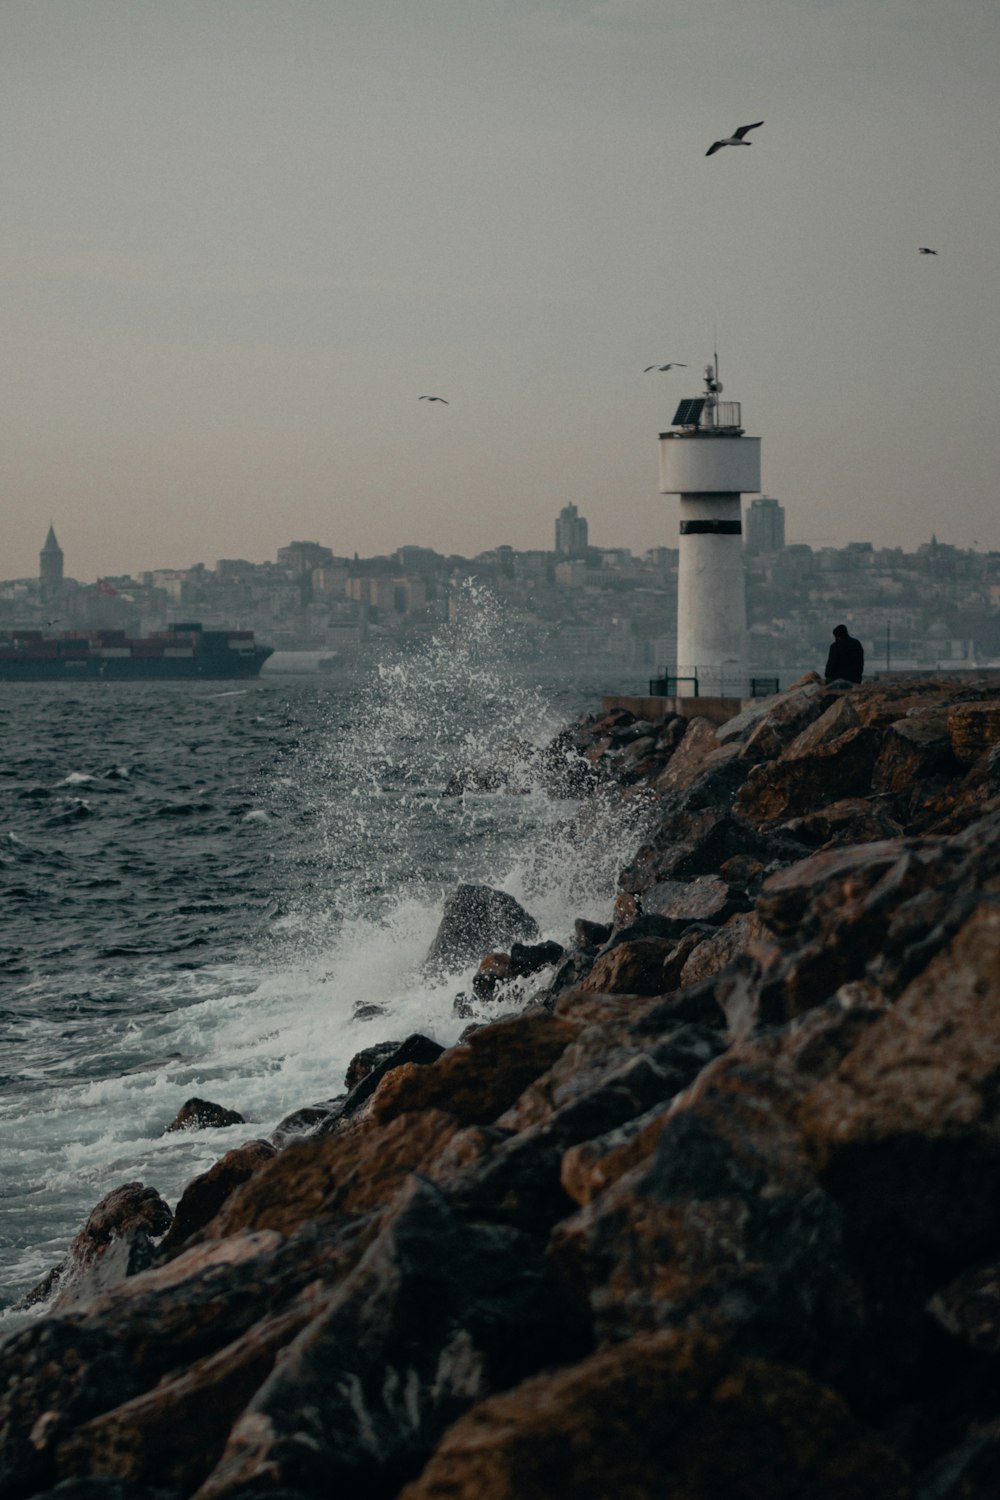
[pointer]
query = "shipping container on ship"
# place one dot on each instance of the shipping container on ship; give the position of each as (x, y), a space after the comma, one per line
(184, 650)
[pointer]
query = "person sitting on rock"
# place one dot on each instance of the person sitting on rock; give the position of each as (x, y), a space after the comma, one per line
(846, 661)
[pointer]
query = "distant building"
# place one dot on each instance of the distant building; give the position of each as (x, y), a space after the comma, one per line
(571, 532)
(302, 557)
(50, 566)
(765, 525)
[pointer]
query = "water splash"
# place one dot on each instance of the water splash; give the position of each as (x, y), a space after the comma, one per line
(359, 846)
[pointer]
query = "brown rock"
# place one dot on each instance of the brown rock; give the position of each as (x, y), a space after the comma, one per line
(658, 1416)
(687, 761)
(202, 1114)
(627, 907)
(836, 719)
(482, 1076)
(174, 1434)
(914, 748)
(907, 1123)
(204, 1196)
(973, 728)
(716, 951)
(592, 1166)
(707, 898)
(789, 715)
(129, 1207)
(633, 968)
(851, 820)
(827, 881)
(969, 1307)
(352, 1172)
(776, 790)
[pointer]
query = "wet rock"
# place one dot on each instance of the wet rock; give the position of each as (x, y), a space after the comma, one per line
(713, 953)
(687, 761)
(786, 788)
(904, 1131)
(591, 934)
(523, 960)
(706, 898)
(851, 820)
(416, 1334)
(914, 748)
(202, 1114)
(307, 1119)
(510, 770)
(973, 728)
(56, 1375)
(696, 841)
(564, 771)
(416, 1051)
(789, 716)
(120, 1226)
(204, 1195)
(173, 1435)
(836, 719)
(328, 1178)
(126, 1255)
(639, 967)
(968, 1308)
(362, 1063)
(663, 1414)
(482, 1076)
(476, 919)
(739, 728)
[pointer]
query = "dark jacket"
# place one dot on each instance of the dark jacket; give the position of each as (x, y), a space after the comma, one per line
(846, 660)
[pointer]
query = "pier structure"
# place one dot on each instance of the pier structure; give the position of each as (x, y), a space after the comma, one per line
(709, 462)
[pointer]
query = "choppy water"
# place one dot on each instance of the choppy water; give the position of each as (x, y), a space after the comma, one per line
(202, 884)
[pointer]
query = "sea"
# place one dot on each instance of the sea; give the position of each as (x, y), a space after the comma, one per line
(226, 890)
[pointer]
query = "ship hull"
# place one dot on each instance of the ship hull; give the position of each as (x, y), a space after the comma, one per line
(182, 652)
(131, 670)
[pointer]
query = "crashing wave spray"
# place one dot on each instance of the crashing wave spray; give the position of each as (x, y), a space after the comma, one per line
(459, 715)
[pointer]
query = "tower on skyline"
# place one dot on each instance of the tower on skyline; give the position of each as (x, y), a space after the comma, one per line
(50, 565)
(571, 532)
(708, 461)
(765, 521)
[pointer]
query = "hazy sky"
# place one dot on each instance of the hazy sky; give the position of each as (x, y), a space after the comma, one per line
(240, 238)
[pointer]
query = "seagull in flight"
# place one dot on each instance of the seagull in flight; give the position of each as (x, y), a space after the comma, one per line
(434, 398)
(675, 366)
(736, 139)
(926, 250)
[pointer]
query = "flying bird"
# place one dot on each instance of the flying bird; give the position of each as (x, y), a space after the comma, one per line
(736, 139)
(925, 250)
(677, 365)
(433, 398)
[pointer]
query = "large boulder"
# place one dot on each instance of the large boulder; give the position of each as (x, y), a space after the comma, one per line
(790, 787)
(476, 920)
(663, 1415)
(437, 1315)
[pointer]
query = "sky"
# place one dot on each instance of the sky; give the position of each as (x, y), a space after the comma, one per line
(240, 238)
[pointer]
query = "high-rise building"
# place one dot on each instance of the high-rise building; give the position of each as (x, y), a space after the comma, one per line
(50, 565)
(765, 520)
(571, 532)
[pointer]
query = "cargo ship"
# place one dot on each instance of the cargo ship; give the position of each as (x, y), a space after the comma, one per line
(180, 651)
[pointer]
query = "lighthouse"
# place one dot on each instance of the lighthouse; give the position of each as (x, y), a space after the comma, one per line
(709, 462)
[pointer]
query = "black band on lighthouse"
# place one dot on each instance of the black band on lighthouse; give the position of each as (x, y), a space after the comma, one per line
(713, 528)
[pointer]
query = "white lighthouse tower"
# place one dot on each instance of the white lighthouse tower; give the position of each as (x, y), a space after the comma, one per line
(709, 463)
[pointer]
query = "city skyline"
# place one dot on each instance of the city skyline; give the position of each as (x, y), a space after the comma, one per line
(241, 241)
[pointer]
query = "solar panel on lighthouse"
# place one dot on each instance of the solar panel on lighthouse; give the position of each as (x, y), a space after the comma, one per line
(688, 414)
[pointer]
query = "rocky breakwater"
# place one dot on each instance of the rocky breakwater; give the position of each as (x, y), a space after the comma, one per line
(710, 1209)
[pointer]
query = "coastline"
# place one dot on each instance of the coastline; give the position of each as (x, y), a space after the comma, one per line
(713, 1202)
